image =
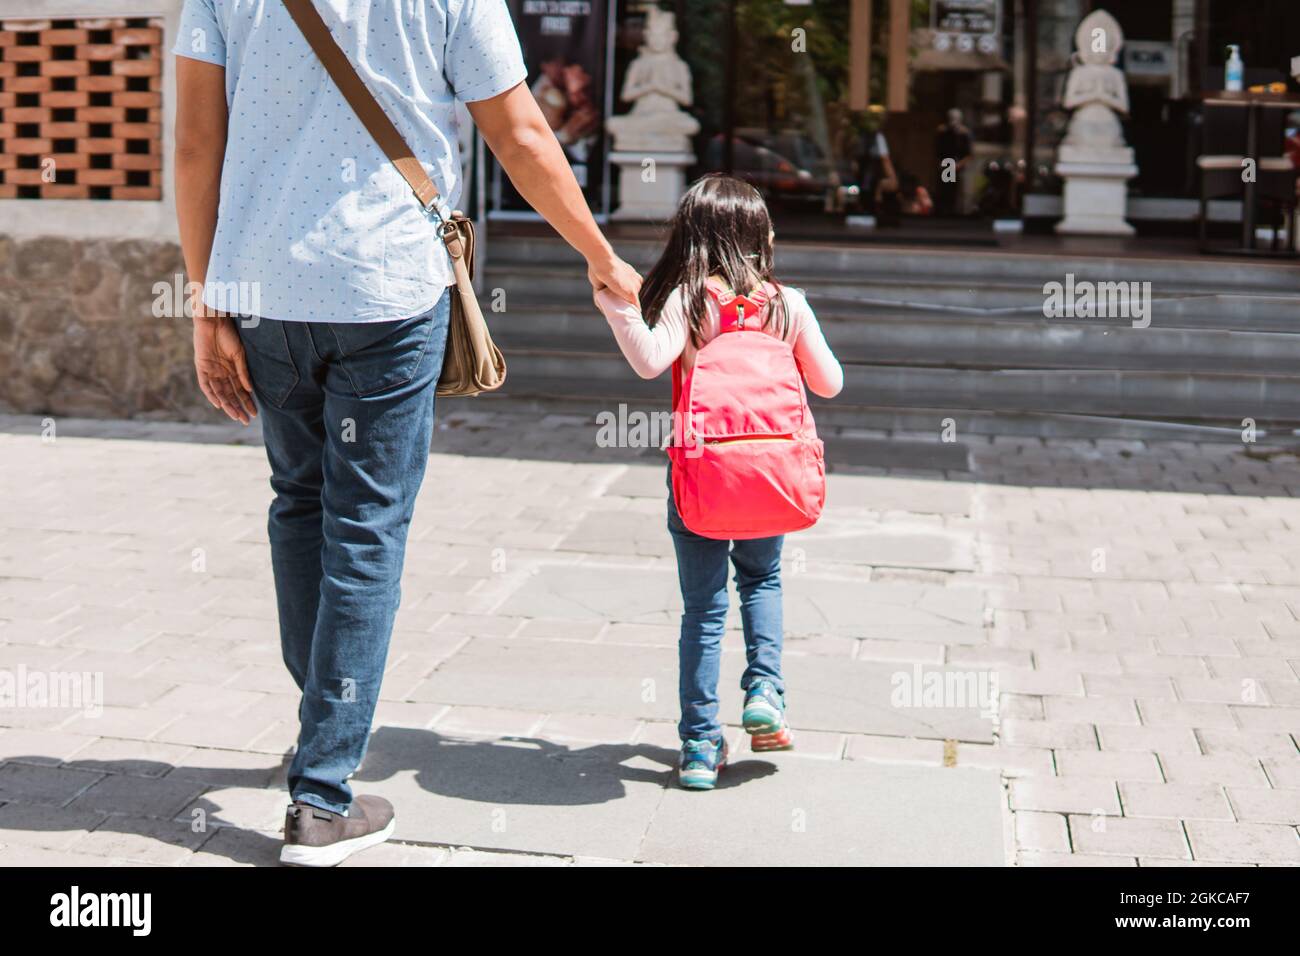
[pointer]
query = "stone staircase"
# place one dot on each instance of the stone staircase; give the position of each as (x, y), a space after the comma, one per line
(928, 334)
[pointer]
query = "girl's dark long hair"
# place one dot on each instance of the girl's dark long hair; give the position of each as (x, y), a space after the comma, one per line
(722, 227)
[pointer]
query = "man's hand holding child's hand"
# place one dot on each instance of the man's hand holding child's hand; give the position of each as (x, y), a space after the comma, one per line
(614, 274)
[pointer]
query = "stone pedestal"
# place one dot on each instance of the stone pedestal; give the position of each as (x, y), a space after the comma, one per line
(656, 199)
(1096, 190)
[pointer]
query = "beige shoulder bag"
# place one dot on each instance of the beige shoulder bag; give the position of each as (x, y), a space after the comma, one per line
(473, 363)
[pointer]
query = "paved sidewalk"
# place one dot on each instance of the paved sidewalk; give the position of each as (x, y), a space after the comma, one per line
(1138, 622)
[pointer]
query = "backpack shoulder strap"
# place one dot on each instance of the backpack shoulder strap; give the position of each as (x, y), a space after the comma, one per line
(739, 312)
(719, 290)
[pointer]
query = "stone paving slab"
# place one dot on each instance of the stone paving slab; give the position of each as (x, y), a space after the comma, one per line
(639, 683)
(883, 494)
(815, 814)
(622, 681)
(620, 533)
(894, 547)
(817, 605)
(596, 593)
(853, 542)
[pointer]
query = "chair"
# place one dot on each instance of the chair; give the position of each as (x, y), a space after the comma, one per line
(1276, 181)
(1223, 145)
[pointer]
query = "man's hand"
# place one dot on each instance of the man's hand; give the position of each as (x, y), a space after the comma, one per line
(221, 367)
(516, 130)
(617, 276)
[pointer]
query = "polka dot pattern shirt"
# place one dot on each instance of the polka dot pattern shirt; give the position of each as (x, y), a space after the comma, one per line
(314, 223)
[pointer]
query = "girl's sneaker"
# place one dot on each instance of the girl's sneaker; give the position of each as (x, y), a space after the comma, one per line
(700, 763)
(764, 718)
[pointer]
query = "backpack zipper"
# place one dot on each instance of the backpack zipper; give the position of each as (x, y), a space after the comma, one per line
(747, 441)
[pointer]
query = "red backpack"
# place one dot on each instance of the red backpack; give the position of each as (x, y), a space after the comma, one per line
(746, 460)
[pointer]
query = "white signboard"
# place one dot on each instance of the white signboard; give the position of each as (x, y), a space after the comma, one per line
(966, 25)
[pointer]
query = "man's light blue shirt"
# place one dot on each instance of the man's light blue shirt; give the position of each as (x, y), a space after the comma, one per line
(314, 222)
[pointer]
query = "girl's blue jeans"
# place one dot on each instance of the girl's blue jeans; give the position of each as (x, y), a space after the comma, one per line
(702, 573)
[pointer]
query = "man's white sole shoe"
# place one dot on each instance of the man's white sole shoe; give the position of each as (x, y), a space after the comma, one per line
(334, 853)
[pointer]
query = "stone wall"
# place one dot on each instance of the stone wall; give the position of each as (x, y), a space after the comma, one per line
(78, 333)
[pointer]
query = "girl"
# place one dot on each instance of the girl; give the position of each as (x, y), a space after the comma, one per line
(721, 241)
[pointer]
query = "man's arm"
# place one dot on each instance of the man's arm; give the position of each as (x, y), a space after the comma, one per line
(515, 130)
(200, 151)
(201, 118)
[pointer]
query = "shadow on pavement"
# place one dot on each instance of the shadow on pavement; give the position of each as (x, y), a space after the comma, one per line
(527, 770)
(495, 771)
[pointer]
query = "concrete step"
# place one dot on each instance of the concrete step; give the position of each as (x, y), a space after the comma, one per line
(542, 286)
(837, 422)
(1199, 397)
(930, 334)
(959, 342)
(974, 268)
(1217, 311)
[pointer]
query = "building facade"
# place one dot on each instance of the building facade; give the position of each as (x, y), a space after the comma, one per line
(796, 95)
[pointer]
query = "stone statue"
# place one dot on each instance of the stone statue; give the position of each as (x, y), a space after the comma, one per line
(658, 85)
(1093, 159)
(652, 145)
(1096, 89)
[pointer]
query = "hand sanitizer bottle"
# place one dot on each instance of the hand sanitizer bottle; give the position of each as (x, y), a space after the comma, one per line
(1235, 70)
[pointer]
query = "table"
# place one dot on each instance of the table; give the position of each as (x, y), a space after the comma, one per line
(1253, 103)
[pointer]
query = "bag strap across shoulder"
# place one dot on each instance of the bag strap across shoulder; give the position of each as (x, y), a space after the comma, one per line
(363, 103)
(472, 363)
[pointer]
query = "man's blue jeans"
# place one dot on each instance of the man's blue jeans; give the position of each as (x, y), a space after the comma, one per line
(702, 574)
(347, 416)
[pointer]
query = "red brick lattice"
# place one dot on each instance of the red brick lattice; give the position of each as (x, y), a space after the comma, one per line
(81, 109)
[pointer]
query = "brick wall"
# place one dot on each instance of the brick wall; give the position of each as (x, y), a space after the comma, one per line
(81, 109)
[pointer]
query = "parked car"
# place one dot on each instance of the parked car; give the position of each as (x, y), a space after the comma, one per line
(784, 165)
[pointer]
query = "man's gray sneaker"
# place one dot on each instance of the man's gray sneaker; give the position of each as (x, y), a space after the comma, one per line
(316, 837)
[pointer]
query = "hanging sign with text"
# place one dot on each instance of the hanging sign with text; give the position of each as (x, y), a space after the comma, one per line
(564, 44)
(966, 25)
